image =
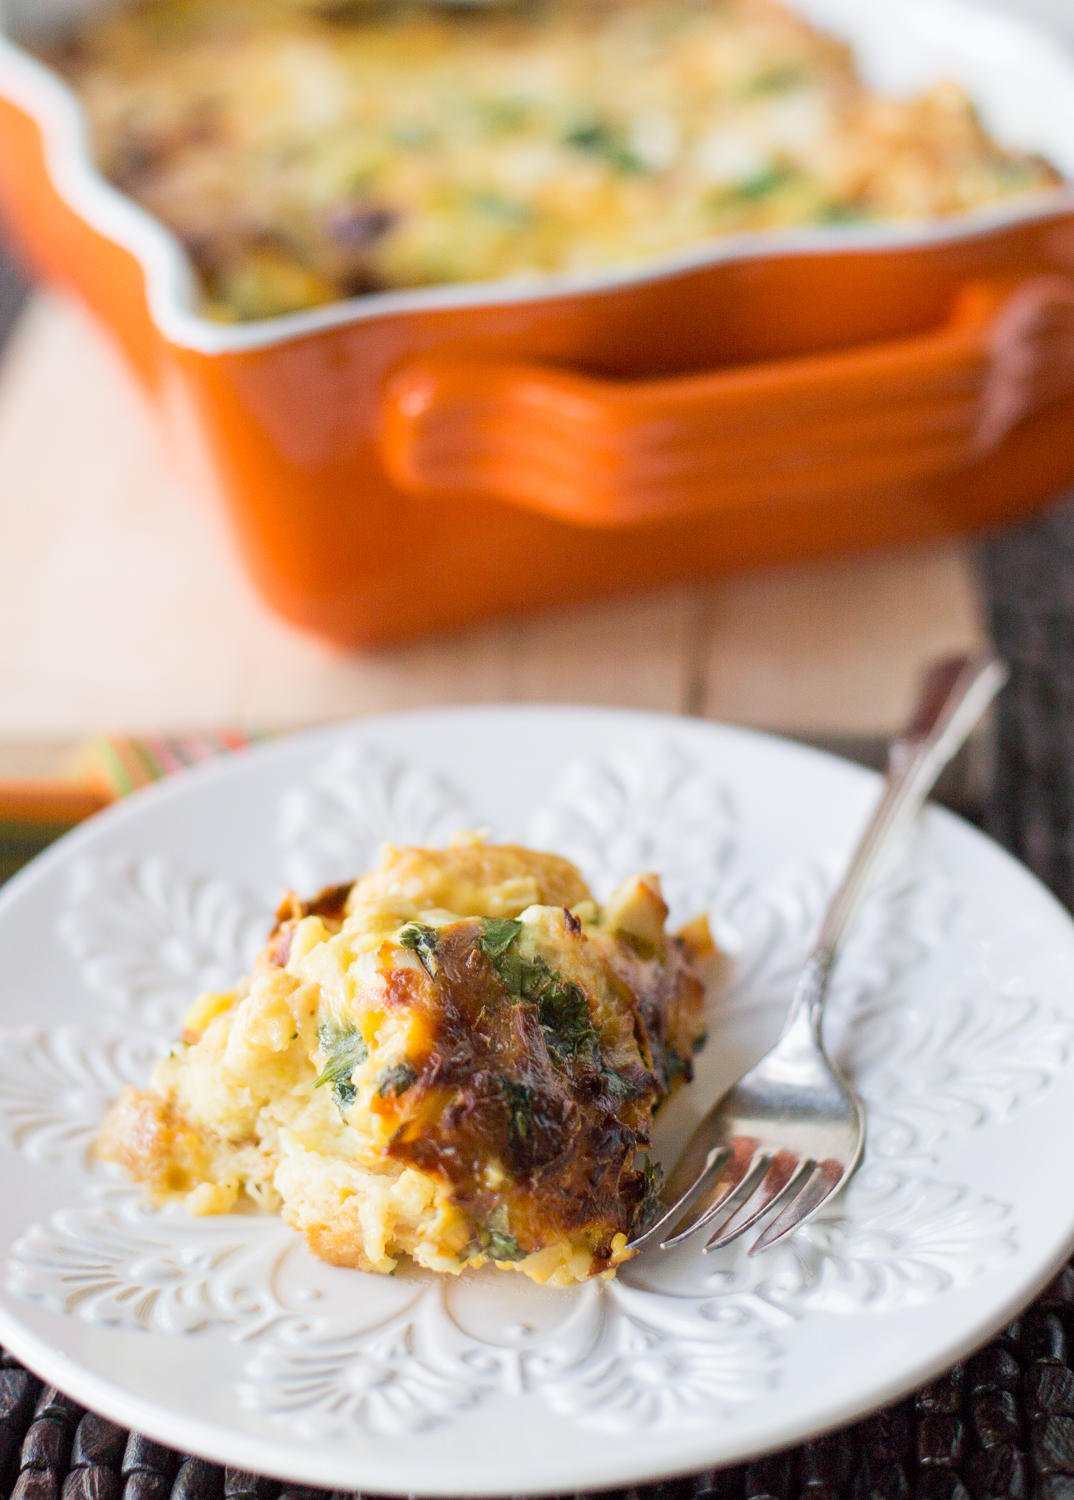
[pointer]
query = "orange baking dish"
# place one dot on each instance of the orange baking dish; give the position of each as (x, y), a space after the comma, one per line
(410, 461)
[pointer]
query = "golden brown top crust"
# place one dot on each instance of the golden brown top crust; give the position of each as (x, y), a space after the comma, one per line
(532, 1093)
(330, 905)
(310, 150)
(473, 879)
(151, 1141)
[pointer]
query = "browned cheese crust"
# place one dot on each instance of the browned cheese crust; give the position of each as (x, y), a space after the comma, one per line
(564, 1122)
(306, 151)
(458, 1057)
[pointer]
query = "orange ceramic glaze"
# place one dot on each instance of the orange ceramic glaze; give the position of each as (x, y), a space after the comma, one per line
(63, 248)
(431, 465)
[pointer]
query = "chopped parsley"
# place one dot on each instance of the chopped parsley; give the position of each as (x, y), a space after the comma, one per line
(677, 1065)
(504, 210)
(562, 1007)
(843, 213)
(519, 1107)
(497, 941)
(641, 947)
(497, 935)
(598, 140)
(776, 80)
(421, 940)
(653, 1173)
(396, 1080)
(505, 114)
(753, 189)
(504, 1246)
(501, 1244)
(413, 135)
(563, 1012)
(345, 1048)
(619, 1088)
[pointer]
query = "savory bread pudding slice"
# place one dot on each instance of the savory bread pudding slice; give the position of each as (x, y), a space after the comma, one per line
(457, 1058)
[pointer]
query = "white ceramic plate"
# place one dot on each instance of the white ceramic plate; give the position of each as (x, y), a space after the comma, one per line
(953, 1011)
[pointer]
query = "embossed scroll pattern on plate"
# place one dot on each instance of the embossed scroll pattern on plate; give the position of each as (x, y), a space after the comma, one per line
(673, 1344)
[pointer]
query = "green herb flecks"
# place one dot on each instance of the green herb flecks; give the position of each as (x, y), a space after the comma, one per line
(421, 940)
(677, 1065)
(563, 1012)
(519, 1107)
(844, 213)
(501, 1243)
(413, 135)
(497, 941)
(396, 1080)
(500, 116)
(775, 81)
(1016, 173)
(598, 140)
(345, 1049)
(754, 189)
(653, 1173)
(642, 947)
(504, 1247)
(507, 211)
(619, 1088)
(562, 1007)
(497, 935)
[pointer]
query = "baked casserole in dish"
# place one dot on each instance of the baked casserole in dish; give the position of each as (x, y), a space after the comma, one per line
(614, 328)
(305, 151)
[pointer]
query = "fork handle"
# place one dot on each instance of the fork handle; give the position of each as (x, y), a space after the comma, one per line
(954, 695)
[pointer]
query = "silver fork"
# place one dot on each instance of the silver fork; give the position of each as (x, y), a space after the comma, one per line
(789, 1134)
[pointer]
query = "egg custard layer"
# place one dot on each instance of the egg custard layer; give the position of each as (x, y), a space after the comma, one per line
(457, 1058)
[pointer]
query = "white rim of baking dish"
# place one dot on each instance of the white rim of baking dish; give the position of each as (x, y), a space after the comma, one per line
(976, 44)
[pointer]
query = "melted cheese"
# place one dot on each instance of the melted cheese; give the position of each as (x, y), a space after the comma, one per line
(307, 150)
(461, 1070)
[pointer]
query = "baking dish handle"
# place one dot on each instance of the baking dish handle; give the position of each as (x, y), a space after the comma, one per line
(603, 452)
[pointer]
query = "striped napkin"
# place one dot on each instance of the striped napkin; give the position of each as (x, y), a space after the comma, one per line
(119, 765)
(35, 812)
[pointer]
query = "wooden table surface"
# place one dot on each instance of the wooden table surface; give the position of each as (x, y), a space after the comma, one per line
(128, 609)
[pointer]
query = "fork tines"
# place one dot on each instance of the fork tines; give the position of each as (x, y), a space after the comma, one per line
(822, 1182)
(751, 1181)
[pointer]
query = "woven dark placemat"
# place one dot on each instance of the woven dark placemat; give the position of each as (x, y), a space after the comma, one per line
(1029, 585)
(1000, 1427)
